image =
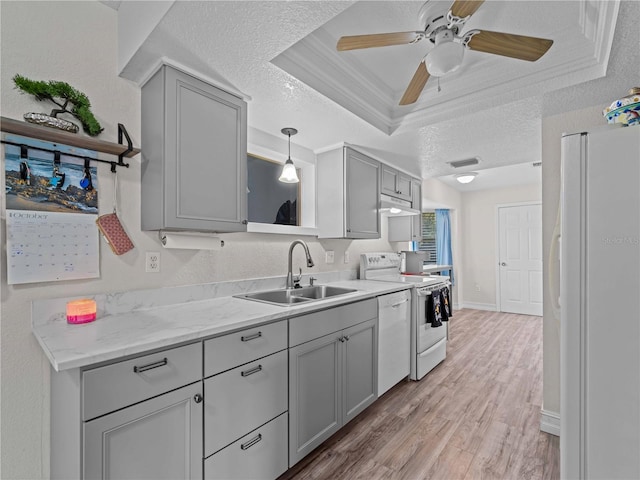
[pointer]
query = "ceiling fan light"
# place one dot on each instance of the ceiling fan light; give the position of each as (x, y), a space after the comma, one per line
(289, 174)
(466, 177)
(444, 58)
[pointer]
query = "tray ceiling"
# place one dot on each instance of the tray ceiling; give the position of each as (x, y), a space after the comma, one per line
(370, 82)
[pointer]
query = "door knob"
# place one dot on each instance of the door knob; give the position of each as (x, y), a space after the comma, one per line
(197, 398)
(503, 264)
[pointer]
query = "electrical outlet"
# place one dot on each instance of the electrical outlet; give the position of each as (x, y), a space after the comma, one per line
(329, 256)
(152, 264)
(347, 257)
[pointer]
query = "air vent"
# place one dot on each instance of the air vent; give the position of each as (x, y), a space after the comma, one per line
(537, 164)
(465, 163)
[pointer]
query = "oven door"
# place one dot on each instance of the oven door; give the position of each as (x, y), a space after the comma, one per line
(426, 335)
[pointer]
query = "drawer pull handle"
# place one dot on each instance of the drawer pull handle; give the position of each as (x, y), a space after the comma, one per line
(396, 305)
(251, 371)
(248, 338)
(151, 366)
(252, 442)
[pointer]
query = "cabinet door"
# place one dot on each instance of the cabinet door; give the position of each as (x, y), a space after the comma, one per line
(160, 438)
(416, 194)
(401, 228)
(315, 392)
(360, 368)
(362, 179)
(403, 186)
(416, 202)
(206, 155)
(416, 229)
(389, 181)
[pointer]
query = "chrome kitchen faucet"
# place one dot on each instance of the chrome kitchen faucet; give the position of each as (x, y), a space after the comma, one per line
(291, 283)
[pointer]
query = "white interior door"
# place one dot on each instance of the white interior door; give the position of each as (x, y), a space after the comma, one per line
(520, 259)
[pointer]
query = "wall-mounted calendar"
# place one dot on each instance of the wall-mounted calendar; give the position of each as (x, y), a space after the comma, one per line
(51, 212)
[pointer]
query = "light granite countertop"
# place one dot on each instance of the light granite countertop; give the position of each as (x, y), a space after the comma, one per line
(147, 326)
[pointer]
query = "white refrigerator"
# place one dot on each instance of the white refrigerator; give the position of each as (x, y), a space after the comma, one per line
(600, 304)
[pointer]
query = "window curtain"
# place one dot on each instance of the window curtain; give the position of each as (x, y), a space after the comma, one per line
(443, 240)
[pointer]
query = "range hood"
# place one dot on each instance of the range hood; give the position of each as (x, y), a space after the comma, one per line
(395, 207)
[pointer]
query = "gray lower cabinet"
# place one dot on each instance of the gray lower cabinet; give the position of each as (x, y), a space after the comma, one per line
(332, 377)
(194, 155)
(159, 439)
(349, 206)
(246, 403)
(141, 417)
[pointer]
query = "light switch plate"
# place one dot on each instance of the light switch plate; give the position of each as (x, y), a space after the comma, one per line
(347, 257)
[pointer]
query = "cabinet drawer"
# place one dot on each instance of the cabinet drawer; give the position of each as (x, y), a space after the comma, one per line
(108, 388)
(229, 351)
(239, 400)
(262, 454)
(314, 325)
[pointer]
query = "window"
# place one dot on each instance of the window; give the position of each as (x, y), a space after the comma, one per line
(428, 243)
(271, 201)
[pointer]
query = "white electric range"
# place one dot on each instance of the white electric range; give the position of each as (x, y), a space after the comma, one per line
(428, 345)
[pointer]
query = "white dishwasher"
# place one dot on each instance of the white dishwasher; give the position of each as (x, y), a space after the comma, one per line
(394, 333)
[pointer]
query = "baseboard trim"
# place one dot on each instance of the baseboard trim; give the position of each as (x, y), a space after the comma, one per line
(550, 422)
(480, 306)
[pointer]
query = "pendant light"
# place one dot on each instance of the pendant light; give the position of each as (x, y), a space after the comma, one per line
(289, 174)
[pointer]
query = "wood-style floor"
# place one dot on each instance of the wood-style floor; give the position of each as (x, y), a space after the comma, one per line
(475, 416)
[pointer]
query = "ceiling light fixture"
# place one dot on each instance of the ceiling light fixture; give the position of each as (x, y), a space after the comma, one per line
(446, 56)
(289, 174)
(466, 177)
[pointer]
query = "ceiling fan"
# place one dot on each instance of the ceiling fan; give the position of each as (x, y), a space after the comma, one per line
(442, 29)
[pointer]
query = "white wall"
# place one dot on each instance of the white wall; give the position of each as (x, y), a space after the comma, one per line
(436, 194)
(479, 232)
(77, 42)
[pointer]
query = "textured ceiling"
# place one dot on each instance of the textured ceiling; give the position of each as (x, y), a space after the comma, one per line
(235, 43)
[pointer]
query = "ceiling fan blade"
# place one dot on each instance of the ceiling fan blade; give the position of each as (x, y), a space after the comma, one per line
(510, 45)
(378, 40)
(464, 8)
(416, 85)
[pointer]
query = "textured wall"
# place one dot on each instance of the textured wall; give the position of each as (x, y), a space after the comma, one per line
(77, 42)
(479, 225)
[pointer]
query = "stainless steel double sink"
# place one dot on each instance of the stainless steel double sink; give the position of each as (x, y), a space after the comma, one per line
(292, 296)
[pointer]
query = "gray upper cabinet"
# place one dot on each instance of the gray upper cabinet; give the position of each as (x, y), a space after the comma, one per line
(194, 143)
(348, 194)
(396, 183)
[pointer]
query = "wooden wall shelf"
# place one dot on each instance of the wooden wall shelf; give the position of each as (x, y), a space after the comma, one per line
(17, 127)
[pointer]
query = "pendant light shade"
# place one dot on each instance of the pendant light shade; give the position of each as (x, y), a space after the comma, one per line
(289, 174)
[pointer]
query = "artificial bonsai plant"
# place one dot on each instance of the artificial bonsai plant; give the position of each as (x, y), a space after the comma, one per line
(64, 96)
